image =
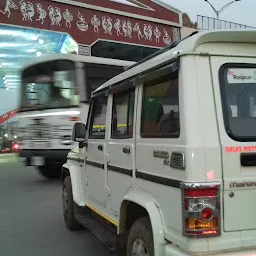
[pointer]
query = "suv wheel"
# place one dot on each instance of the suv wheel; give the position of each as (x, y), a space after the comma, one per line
(140, 239)
(68, 206)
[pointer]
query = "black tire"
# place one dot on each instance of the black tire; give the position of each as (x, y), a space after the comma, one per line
(68, 206)
(141, 232)
(50, 171)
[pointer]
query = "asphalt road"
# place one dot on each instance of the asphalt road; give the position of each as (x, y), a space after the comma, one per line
(31, 222)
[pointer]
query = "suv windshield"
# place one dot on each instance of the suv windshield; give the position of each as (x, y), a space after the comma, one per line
(238, 89)
(49, 85)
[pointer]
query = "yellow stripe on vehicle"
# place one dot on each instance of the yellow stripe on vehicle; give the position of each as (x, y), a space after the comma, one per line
(102, 215)
(103, 125)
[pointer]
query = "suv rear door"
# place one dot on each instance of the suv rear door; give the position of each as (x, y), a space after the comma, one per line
(235, 93)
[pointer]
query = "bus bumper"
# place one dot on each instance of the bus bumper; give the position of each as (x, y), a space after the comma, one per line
(43, 157)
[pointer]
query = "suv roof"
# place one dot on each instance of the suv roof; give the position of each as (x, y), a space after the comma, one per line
(187, 45)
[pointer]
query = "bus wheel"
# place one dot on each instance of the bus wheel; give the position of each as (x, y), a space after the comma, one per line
(140, 238)
(50, 171)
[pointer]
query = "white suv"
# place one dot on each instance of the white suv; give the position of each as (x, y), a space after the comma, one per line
(167, 161)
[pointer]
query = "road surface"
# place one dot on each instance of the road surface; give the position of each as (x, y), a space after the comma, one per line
(31, 222)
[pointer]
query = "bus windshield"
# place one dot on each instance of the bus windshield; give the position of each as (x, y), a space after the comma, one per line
(49, 85)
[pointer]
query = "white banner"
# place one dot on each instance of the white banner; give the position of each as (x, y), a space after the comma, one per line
(84, 50)
(241, 75)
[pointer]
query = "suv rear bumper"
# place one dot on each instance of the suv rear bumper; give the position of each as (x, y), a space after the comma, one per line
(50, 156)
(171, 250)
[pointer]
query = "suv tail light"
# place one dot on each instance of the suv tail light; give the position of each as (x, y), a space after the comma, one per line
(201, 210)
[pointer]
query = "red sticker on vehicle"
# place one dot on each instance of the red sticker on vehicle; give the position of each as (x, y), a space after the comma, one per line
(240, 149)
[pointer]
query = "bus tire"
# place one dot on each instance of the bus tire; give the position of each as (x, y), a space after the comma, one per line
(50, 171)
(68, 206)
(140, 238)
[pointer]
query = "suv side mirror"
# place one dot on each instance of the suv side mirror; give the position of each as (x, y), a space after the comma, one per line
(79, 132)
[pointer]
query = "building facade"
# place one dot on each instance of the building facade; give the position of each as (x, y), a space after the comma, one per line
(120, 29)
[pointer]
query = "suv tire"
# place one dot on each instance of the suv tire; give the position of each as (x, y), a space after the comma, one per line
(69, 206)
(140, 236)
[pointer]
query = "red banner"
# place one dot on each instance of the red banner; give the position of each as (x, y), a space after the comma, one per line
(7, 116)
(86, 26)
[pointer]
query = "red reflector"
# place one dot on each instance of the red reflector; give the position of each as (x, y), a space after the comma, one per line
(186, 204)
(209, 232)
(205, 232)
(200, 192)
(207, 213)
(74, 118)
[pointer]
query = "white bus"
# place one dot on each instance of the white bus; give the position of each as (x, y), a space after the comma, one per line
(53, 90)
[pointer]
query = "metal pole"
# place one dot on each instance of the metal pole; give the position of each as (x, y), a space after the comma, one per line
(218, 12)
(227, 5)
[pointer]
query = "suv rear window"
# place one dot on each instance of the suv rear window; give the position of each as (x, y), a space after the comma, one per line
(238, 92)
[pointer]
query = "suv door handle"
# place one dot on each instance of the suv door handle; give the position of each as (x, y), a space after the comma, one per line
(100, 147)
(126, 150)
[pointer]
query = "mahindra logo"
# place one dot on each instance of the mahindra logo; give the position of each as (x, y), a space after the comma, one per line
(244, 184)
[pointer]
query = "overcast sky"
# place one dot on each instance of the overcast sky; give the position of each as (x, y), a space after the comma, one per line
(242, 12)
(8, 100)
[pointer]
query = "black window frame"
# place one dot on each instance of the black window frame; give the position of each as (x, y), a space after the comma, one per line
(222, 82)
(164, 77)
(92, 115)
(121, 51)
(121, 93)
(97, 65)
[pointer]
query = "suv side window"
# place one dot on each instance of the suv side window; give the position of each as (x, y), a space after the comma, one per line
(123, 114)
(160, 110)
(98, 118)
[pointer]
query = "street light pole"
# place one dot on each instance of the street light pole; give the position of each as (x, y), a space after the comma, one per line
(218, 12)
